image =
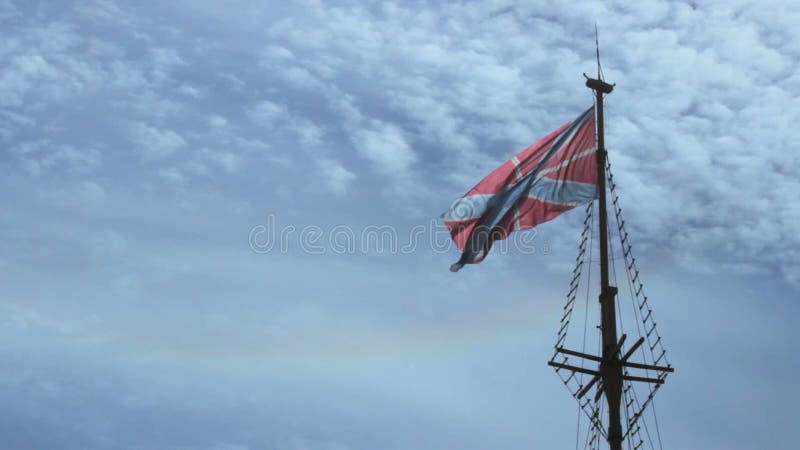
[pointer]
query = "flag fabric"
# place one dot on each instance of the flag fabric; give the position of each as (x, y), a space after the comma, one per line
(546, 179)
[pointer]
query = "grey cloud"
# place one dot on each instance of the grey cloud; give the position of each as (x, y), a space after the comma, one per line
(143, 142)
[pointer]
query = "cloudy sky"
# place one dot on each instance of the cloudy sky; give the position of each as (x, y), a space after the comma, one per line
(180, 183)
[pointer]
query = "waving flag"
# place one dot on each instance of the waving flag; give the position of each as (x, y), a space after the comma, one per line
(551, 176)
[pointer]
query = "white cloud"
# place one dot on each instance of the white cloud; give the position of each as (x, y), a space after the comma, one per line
(217, 122)
(42, 62)
(173, 176)
(383, 144)
(164, 61)
(386, 147)
(44, 155)
(278, 119)
(227, 161)
(190, 91)
(276, 53)
(20, 76)
(336, 176)
(266, 113)
(154, 143)
(308, 133)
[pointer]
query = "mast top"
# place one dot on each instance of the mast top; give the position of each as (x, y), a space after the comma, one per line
(597, 52)
(597, 84)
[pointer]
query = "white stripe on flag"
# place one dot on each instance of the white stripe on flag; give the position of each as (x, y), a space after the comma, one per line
(567, 162)
(517, 170)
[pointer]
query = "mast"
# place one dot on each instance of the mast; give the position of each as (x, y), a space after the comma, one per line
(610, 367)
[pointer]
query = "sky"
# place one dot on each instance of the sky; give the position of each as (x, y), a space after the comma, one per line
(219, 224)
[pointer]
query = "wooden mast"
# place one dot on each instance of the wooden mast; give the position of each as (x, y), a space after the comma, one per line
(609, 376)
(610, 367)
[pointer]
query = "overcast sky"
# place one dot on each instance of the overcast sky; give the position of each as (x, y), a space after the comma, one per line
(153, 153)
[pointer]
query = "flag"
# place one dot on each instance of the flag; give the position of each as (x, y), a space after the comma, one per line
(551, 176)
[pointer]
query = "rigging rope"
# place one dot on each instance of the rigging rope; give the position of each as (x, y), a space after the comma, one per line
(590, 211)
(648, 325)
(645, 326)
(575, 383)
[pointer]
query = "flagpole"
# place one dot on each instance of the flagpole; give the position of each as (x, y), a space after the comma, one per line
(611, 366)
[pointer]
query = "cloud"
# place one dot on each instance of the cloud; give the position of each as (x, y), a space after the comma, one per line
(190, 91)
(45, 61)
(43, 155)
(385, 146)
(154, 143)
(336, 176)
(77, 162)
(138, 155)
(8, 10)
(173, 176)
(105, 13)
(227, 161)
(266, 113)
(77, 197)
(11, 123)
(431, 100)
(276, 53)
(218, 122)
(23, 73)
(164, 61)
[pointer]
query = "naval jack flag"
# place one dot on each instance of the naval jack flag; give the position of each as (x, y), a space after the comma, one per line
(551, 176)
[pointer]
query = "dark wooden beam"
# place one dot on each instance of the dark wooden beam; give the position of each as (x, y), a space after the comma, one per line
(572, 368)
(588, 386)
(643, 379)
(649, 367)
(633, 348)
(579, 354)
(619, 344)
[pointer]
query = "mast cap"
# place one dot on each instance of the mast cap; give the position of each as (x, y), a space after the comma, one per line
(599, 85)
